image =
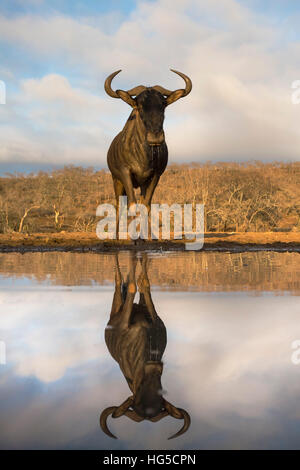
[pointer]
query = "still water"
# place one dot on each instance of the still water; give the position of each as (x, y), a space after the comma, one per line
(222, 324)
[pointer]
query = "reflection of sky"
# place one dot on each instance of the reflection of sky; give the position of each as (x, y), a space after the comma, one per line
(227, 362)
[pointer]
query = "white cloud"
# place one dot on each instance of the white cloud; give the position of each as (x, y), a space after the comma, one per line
(55, 123)
(241, 67)
(53, 336)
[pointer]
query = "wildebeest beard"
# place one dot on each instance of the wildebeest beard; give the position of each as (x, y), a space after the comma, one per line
(138, 345)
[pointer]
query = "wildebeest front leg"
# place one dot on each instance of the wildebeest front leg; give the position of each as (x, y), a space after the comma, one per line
(131, 291)
(119, 191)
(144, 287)
(117, 301)
(127, 182)
(150, 190)
(147, 192)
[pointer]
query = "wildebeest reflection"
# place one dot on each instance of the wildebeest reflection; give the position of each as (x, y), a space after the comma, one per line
(136, 338)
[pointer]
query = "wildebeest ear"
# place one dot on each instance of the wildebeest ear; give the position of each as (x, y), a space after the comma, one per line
(175, 96)
(126, 97)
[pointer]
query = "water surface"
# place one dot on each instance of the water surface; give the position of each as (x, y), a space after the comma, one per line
(230, 320)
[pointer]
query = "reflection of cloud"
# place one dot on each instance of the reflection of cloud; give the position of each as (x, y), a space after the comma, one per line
(227, 362)
(237, 350)
(242, 66)
(46, 334)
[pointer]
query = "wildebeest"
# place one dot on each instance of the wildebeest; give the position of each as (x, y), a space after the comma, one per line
(136, 338)
(138, 155)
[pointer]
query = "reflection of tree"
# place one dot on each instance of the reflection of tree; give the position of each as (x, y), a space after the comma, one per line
(200, 271)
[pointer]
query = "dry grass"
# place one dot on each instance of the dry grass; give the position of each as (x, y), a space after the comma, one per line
(250, 197)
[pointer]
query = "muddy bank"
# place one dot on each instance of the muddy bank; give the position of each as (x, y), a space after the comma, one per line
(82, 242)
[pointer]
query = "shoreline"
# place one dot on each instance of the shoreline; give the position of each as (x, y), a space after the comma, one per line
(88, 242)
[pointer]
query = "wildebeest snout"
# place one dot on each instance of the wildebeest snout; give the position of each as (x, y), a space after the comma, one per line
(156, 138)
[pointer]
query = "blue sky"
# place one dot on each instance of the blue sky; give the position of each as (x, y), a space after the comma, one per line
(277, 9)
(242, 57)
(67, 7)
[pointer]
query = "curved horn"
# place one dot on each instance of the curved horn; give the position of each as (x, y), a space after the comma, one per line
(162, 90)
(172, 410)
(123, 407)
(134, 416)
(175, 95)
(118, 93)
(116, 412)
(178, 413)
(136, 90)
(103, 417)
(161, 415)
(188, 81)
(186, 424)
(107, 85)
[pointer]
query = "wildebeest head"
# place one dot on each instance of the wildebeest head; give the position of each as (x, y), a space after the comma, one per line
(147, 403)
(150, 103)
(151, 107)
